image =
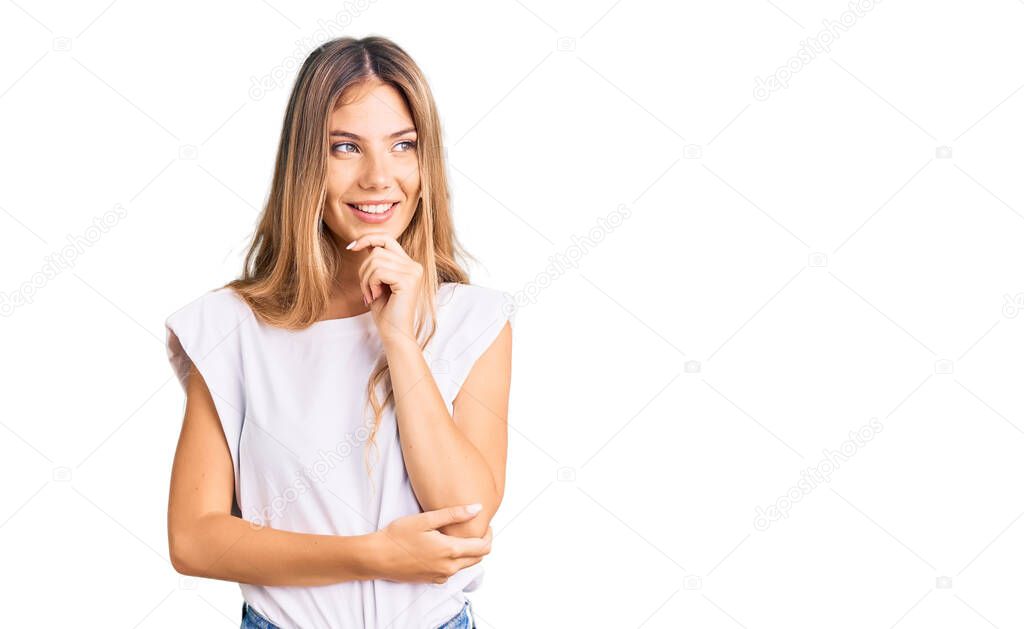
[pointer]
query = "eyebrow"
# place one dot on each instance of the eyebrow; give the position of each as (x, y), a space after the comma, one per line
(346, 134)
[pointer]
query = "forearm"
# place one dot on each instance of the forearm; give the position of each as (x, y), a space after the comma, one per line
(222, 546)
(445, 468)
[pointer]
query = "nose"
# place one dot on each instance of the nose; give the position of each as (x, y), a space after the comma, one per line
(376, 172)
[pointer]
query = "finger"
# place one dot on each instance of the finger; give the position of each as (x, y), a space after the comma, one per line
(467, 562)
(386, 274)
(387, 254)
(449, 515)
(361, 242)
(364, 269)
(397, 278)
(470, 546)
(376, 239)
(377, 254)
(379, 274)
(375, 279)
(364, 273)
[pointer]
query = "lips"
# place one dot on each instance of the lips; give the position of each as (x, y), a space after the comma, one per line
(373, 207)
(376, 212)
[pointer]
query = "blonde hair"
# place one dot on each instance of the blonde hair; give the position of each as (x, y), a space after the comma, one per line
(293, 261)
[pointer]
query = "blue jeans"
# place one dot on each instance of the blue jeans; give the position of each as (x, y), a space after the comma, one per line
(252, 619)
(462, 620)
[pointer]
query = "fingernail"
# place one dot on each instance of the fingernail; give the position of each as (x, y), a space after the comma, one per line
(474, 508)
(351, 244)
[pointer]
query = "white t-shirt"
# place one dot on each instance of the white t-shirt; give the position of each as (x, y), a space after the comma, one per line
(292, 403)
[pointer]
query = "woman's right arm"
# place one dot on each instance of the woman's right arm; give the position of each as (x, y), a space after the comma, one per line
(206, 540)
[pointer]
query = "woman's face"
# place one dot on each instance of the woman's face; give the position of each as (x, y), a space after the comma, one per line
(373, 180)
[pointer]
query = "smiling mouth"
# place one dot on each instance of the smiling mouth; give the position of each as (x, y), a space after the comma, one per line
(373, 208)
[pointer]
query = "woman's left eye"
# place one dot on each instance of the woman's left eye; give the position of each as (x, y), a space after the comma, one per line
(411, 144)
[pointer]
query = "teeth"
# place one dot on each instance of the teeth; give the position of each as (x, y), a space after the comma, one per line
(373, 209)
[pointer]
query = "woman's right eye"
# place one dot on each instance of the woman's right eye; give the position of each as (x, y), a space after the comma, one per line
(337, 147)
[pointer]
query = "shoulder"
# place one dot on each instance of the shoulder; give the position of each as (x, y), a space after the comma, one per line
(219, 304)
(469, 320)
(210, 317)
(462, 301)
(209, 331)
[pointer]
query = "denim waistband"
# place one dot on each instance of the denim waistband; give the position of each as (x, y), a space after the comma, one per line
(252, 619)
(462, 620)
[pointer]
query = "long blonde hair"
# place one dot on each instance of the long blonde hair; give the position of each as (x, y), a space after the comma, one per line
(293, 261)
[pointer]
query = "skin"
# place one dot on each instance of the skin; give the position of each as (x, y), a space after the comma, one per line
(452, 459)
(376, 166)
(206, 540)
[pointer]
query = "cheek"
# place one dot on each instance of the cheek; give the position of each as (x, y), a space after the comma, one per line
(335, 212)
(411, 183)
(339, 180)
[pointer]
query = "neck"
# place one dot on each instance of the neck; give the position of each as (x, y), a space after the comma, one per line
(346, 296)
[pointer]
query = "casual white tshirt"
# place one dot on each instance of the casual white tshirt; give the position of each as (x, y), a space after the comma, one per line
(292, 403)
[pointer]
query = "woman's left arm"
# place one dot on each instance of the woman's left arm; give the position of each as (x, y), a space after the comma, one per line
(454, 458)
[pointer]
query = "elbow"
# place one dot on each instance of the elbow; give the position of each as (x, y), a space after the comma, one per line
(179, 548)
(477, 527)
(182, 546)
(478, 524)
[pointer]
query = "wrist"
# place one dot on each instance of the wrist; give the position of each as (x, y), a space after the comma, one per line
(394, 338)
(370, 556)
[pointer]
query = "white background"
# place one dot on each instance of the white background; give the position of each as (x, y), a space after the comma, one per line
(792, 269)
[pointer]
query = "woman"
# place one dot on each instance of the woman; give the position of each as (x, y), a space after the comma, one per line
(352, 330)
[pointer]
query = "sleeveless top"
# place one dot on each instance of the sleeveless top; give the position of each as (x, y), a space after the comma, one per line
(293, 406)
